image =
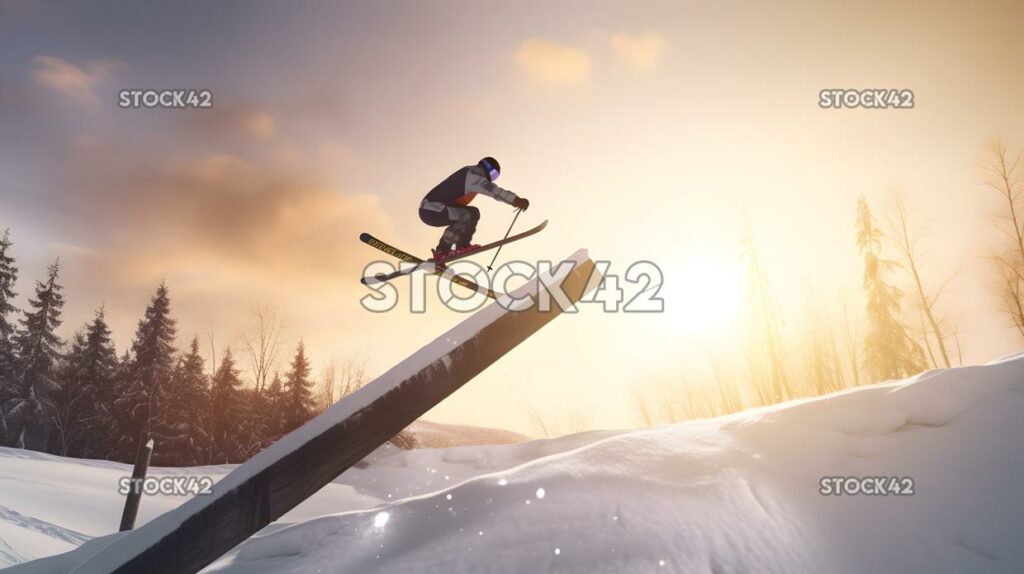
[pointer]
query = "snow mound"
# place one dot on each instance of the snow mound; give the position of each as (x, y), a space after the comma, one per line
(732, 494)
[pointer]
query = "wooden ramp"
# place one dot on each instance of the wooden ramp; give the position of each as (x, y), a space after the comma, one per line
(280, 477)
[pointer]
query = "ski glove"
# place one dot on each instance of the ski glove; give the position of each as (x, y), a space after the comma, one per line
(521, 203)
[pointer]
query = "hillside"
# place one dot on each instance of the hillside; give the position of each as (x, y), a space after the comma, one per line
(732, 494)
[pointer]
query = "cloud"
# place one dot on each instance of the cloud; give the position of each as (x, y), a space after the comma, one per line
(66, 78)
(230, 124)
(552, 64)
(642, 52)
(222, 216)
(260, 124)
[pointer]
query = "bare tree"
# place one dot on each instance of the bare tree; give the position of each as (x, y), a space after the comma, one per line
(959, 347)
(729, 396)
(328, 385)
(906, 239)
(851, 336)
(263, 343)
(352, 376)
(1004, 176)
(642, 406)
(549, 426)
(821, 367)
(765, 349)
(922, 332)
(211, 338)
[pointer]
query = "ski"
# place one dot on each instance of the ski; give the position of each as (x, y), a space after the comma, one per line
(496, 244)
(439, 269)
(385, 277)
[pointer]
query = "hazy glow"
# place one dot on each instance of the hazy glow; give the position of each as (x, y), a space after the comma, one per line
(706, 296)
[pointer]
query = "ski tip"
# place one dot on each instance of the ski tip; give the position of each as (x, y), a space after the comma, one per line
(364, 237)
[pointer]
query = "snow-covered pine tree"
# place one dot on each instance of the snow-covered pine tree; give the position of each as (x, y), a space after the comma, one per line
(274, 422)
(98, 371)
(889, 352)
(81, 405)
(298, 404)
(28, 412)
(182, 428)
(227, 412)
(137, 406)
(253, 434)
(8, 358)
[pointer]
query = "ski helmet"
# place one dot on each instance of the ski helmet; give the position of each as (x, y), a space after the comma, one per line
(491, 167)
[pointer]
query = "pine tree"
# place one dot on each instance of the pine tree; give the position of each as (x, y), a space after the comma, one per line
(86, 390)
(253, 432)
(8, 277)
(890, 353)
(298, 393)
(274, 427)
(182, 428)
(227, 411)
(137, 407)
(38, 345)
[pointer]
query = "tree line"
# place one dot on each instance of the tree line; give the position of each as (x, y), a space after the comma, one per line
(79, 398)
(900, 330)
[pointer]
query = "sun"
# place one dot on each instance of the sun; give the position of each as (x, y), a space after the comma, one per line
(705, 294)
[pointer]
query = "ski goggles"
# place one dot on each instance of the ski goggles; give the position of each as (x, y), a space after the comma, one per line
(492, 172)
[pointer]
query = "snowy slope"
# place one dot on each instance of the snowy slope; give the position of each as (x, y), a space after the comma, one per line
(734, 494)
(437, 435)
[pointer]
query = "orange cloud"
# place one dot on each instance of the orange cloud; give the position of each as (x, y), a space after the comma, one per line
(642, 52)
(552, 64)
(259, 124)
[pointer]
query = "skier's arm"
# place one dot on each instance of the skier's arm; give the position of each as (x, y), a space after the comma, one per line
(483, 186)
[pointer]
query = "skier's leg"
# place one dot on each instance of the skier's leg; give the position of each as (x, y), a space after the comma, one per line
(470, 227)
(461, 223)
(435, 214)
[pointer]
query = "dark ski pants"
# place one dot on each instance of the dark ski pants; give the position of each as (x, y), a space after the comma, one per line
(460, 221)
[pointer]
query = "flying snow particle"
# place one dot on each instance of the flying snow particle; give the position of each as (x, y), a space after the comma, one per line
(380, 519)
(503, 482)
(540, 493)
(661, 562)
(558, 551)
(448, 496)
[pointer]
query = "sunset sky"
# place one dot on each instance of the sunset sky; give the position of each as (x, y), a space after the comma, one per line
(641, 130)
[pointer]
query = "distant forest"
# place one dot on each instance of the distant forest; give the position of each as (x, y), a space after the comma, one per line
(78, 398)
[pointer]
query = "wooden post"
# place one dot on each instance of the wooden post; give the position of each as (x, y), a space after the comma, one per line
(131, 503)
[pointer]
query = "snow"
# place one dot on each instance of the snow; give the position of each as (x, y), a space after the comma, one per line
(731, 494)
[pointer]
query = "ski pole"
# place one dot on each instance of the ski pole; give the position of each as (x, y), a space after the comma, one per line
(495, 258)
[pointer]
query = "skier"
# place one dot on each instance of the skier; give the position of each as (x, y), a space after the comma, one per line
(447, 205)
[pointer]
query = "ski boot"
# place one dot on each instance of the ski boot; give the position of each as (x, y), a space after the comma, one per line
(460, 249)
(441, 252)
